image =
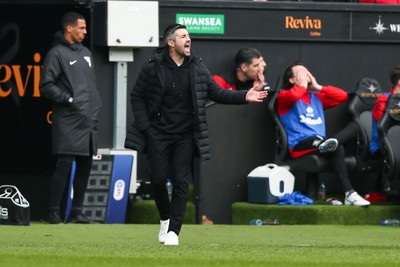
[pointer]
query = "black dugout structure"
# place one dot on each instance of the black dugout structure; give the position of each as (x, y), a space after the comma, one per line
(340, 42)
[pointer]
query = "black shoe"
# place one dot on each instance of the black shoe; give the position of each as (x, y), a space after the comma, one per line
(80, 218)
(54, 218)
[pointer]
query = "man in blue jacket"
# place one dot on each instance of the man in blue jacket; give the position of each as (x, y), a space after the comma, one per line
(68, 81)
(168, 102)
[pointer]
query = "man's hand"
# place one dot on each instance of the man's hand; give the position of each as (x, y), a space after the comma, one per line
(259, 83)
(300, 76)
(256, 96)
(303, 77)
(313, 83)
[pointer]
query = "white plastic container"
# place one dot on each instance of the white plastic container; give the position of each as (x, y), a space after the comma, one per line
(265, 184)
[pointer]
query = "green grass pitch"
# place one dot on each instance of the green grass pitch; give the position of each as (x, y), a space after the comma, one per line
(41, 245)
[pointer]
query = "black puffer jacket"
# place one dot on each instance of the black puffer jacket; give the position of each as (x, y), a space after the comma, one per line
(148, 91)
(68, 72)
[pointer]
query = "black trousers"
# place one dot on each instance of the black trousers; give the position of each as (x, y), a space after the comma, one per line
(60, 181)
(170, 154)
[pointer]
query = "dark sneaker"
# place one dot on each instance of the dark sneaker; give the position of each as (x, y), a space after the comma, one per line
(54, 218)
(80, 218)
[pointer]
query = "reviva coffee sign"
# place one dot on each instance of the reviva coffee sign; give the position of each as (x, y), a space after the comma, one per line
(314, 25)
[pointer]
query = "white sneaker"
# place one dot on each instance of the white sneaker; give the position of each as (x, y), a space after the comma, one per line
(172, 239)
(329, 145)
(354, 199)
(162, 234)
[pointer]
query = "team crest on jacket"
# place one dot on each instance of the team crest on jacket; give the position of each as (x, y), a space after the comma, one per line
(310, 112)
(88, 61)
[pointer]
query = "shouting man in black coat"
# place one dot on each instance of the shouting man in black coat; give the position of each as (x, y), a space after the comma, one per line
(68, 81)
(168, 102)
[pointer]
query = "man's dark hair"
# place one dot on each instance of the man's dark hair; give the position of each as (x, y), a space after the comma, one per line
(395, 75)
(286, 84)
(246, 56)
(70, 18)
(169, 32)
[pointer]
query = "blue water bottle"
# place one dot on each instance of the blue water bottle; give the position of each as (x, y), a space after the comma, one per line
(322, 191)
(264, 222)
(390, 222)
(256, 222)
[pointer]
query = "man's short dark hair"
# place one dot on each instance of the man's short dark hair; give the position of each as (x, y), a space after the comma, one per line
(395, 75)
(286, 84)
(70, 18)
(246, 56)
(169, 32)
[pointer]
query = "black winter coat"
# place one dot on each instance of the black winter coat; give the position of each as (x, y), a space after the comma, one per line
(148, 91)
(68, 72)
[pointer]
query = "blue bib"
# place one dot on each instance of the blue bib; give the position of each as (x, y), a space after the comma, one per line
(303, 120)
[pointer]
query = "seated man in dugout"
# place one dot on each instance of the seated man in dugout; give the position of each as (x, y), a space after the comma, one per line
(377, 112)
(247, 72)
(301, 108)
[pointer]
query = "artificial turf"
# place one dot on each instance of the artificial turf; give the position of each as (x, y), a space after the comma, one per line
(200, 245)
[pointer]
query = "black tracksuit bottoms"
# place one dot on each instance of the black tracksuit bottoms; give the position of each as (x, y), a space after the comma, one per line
(60, 180)
(170, 154)
(337, 157)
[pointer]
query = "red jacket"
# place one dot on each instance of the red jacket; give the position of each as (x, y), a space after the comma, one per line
(330, 96)
(380, 105)
(229, 81)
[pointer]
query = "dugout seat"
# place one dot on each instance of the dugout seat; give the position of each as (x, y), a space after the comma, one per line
(360, 107)
(389, 134)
